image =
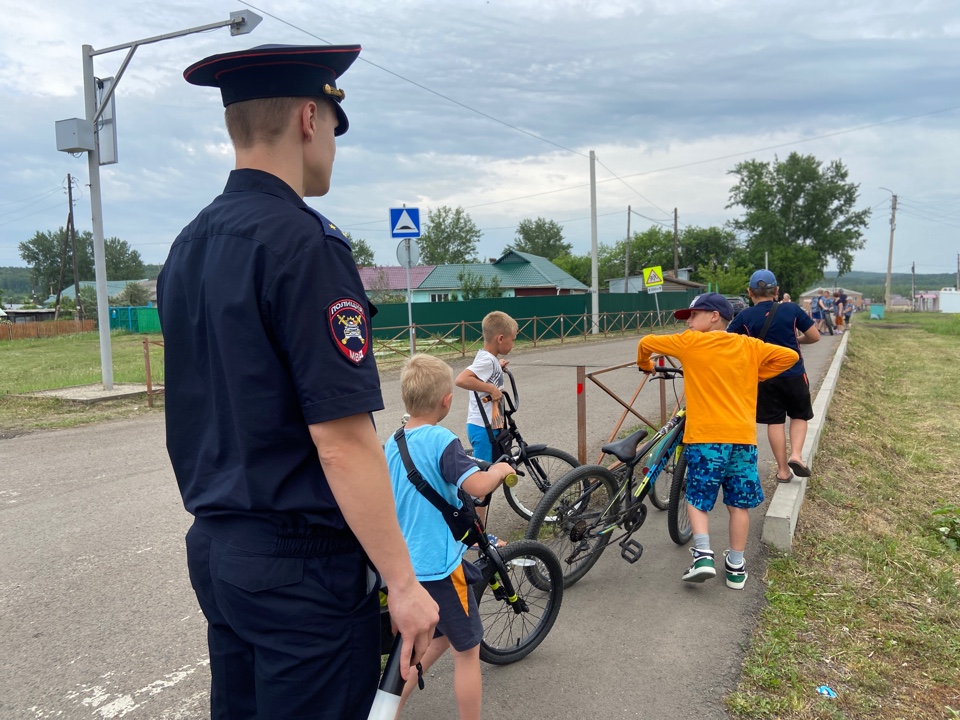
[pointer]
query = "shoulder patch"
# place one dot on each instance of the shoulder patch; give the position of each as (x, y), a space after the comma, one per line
(349, 328)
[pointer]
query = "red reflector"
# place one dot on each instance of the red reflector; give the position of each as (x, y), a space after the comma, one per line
(579, 388)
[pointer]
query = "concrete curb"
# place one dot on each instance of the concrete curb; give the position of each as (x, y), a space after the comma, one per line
(780, 522)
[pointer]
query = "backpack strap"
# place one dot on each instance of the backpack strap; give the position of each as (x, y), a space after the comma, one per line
(414, 476)
(766, 325)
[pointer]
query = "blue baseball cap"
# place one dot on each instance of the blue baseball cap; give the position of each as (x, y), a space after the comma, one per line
(270, 71)
(707, 301)
(763, 279)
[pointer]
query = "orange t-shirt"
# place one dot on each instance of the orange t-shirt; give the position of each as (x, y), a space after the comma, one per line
(720, 375)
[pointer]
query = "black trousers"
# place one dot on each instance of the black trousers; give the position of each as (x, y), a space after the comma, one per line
(292, 634)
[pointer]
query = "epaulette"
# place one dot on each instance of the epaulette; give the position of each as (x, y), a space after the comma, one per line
(329, 229)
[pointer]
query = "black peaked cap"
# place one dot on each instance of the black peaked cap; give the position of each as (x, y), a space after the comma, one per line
(268, 71)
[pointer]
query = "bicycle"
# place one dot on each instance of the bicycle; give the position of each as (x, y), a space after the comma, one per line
(519, 597)
(579, 514)
(538, 463)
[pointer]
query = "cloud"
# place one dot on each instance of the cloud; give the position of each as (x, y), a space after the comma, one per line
(495, 106)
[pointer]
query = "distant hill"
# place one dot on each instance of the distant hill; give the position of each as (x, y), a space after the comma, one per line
(15, 281)
(873, 284)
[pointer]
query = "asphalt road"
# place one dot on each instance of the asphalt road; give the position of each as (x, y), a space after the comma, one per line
(98, 619)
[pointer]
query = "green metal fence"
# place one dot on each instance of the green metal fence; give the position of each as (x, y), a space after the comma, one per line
(135, 319)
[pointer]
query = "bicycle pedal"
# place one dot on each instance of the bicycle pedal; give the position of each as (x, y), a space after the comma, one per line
(631, 551)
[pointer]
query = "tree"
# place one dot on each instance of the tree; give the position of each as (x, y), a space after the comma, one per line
(123, 262)
(472, 285)
(703, 248)
(44, 251)
(541, 237)
(801, 213)
(726, 279)
(653, 246)
(88, 302)
(362, 252)
(449, 238)
(381, 293)
(577, 266)
(134, 295)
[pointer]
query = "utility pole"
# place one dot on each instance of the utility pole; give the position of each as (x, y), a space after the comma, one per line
(676, 256)
(595, 271)
(78, 306)
(626, 262)
(893, 226)
(913, 286)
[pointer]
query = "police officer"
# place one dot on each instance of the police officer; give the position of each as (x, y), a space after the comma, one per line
(270, 382)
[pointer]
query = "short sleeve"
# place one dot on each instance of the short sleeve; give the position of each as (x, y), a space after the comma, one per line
(804, 322)
(319, 310)
(455, 465)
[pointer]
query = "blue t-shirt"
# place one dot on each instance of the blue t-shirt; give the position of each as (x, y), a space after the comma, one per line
(782, 331)
(442, 462)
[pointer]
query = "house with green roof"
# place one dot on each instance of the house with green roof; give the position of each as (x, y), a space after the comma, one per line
(519, 274)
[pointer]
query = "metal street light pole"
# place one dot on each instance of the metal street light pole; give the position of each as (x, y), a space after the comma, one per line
(241, 22)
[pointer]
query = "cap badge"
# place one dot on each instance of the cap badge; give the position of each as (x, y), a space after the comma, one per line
(339, 94)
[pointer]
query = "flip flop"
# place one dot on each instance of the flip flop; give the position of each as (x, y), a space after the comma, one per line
(799, 469)
(783, 480)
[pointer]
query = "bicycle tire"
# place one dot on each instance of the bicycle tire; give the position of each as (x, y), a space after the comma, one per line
(828, 321)
(660, 492)
(549, 464)
(537, 578)
(678, 521)
(564, 511)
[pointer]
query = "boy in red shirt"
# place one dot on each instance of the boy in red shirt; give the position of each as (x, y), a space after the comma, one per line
(721, 372)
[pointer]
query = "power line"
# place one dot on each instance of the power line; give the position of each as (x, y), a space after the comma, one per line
(632, 188)
(44, 194)
(421, 86)
(44, 197)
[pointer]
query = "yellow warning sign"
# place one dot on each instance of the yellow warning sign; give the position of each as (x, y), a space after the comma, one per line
(653, 276)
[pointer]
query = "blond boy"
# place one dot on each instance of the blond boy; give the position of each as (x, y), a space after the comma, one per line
(426, 384)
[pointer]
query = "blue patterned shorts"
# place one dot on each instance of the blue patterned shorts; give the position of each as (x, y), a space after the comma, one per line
(711, 466)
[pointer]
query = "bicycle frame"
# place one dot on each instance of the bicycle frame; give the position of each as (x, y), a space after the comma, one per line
(665, 443)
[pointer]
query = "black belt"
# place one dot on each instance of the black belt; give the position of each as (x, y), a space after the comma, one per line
(280, 539)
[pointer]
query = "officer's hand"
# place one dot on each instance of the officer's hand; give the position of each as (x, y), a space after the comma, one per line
(415, 615)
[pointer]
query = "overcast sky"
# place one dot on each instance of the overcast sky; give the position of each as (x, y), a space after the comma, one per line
(495, 105)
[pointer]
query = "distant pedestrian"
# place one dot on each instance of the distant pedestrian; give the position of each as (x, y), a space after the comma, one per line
(786, 297)
(788, 394)
(839, 309)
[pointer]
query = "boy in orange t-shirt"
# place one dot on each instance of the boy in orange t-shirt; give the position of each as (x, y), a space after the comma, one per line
(721, 372)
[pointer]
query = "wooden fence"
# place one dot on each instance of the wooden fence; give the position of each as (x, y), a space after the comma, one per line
(45, 328)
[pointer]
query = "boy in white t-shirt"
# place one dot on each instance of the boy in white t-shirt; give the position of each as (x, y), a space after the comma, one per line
(485, 377)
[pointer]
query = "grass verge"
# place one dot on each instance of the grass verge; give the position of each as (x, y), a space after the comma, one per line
(67, 361)
(868, 604)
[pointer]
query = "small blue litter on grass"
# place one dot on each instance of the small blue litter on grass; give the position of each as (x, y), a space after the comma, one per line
(826, 691)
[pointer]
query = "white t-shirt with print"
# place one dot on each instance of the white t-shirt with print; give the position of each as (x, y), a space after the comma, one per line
(485, 366)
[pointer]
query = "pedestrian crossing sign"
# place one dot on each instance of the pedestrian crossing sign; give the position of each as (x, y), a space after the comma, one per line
(653, 276)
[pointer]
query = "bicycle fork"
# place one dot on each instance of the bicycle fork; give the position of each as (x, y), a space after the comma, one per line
(501, 585)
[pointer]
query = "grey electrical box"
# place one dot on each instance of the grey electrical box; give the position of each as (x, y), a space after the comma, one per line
(74, 135)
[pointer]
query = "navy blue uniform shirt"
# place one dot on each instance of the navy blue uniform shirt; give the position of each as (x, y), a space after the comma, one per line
(266, 330)
(783, 330)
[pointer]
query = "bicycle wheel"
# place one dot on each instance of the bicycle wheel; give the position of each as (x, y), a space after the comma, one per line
(542, 467)
(537, 580)
(660, 492)
(678, 521)
(565, 519)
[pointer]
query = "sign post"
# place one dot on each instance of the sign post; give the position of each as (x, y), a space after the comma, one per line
(405, 224)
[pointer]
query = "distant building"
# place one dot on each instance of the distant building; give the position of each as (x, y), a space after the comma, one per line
(518, 274)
